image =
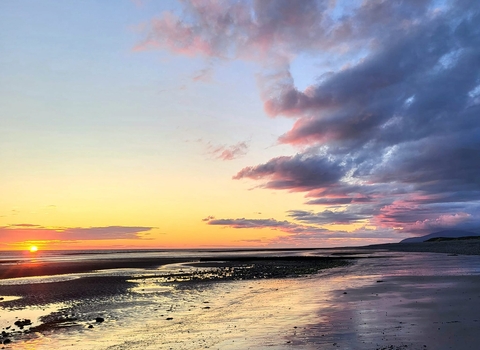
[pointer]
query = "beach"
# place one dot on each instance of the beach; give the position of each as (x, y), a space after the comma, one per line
(313, 299)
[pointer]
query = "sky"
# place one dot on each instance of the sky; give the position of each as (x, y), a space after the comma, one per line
(220, 123)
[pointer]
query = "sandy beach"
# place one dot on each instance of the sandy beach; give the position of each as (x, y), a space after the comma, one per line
(350, 299)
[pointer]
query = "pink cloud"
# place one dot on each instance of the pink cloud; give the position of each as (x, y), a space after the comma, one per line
(229, 152)
(439, 223)
(203, 75)
(28, 232)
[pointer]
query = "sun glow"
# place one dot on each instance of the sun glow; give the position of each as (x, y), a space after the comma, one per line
(33, 249)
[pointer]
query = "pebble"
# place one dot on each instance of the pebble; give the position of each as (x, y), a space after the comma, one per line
(21, 323)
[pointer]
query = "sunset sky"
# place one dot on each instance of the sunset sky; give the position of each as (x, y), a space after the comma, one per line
(202, 123)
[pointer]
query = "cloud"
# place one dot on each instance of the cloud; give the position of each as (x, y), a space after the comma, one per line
(253, 223)
(461, 220)
(402, 119)
(29, 232)
(388, 134)
(231, 29)
(231, 152)
(338, 200)
(296, 234)
(351, 215)
(204, 75)
(261, 29)
(297, 173)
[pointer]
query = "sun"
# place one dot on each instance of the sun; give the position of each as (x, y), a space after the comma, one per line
(33, 249)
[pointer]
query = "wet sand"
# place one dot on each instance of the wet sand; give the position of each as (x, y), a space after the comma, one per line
(412, 301)
(463, 247)
(89, 286)
(16, 269)
(87, 290)
(420, 312)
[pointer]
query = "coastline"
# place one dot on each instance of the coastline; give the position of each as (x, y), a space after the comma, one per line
(29, 268)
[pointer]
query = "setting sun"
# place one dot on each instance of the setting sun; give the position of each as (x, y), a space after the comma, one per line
(33, 248)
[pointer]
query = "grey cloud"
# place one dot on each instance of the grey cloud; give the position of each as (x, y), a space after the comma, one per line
(298, 234)
(351, 215)
(297, 173)
(406, 118)
(284, 226)
(338, 200)
(251, 223)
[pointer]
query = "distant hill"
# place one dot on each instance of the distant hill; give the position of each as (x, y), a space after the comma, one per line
(441, 234)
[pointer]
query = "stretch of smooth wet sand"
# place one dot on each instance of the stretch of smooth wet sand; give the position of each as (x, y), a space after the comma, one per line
(434, 312)
(417, 307)
(394, 301)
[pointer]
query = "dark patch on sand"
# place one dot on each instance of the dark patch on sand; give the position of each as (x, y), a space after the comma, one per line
(32, 268)
(248, 268)
(65, 291)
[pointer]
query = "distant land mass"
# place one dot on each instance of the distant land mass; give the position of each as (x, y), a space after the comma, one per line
(442, 235)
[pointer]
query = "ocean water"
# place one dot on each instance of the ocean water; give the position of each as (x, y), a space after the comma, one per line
(288, 313)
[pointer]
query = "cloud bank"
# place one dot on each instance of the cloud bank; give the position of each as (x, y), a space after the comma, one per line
(30, 232)
(293, 234)
(390, 135)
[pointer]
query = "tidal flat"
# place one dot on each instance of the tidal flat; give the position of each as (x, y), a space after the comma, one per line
(307, 299)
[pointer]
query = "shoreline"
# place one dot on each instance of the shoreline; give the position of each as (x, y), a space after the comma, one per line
(29, 268)
(32, 268)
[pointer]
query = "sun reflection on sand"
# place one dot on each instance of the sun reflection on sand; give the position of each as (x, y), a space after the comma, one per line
(34, 313)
